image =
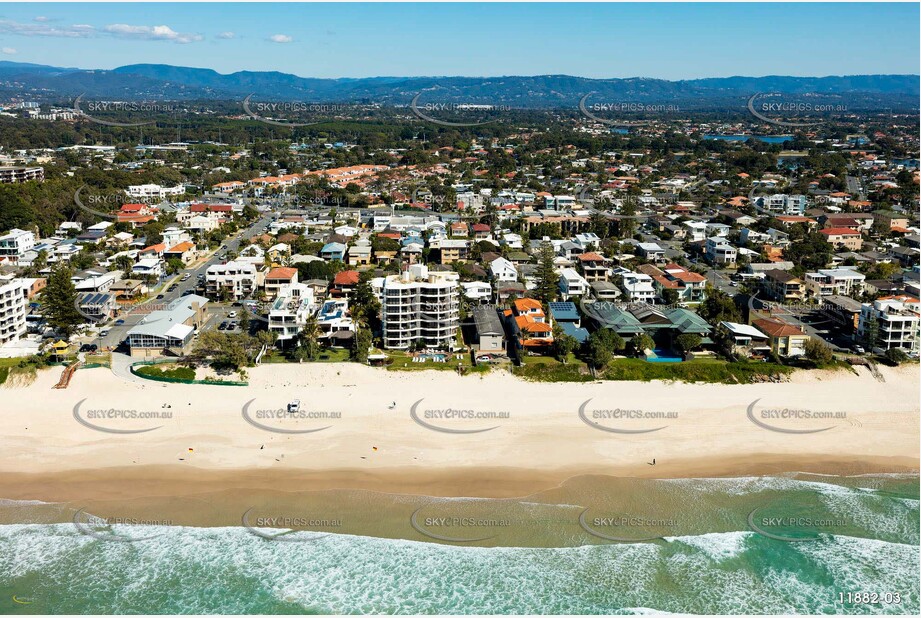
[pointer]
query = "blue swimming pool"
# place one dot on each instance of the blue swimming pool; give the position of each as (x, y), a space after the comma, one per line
(660, 355)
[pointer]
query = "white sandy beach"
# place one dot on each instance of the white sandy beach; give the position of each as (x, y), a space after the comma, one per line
(711, 435)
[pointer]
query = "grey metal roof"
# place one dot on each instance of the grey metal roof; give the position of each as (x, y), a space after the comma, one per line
(487, 321)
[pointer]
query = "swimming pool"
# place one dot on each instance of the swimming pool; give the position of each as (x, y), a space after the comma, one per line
(661, 355)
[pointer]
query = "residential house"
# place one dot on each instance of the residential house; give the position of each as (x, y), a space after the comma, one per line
(98, 306)
(335, 322)
(292, 307)
(149, 268)
(744, 339)
(184, 252)
(333, 251)
(477, 291)
(781, 285)
(344, 284)
(718, 251)
(529, 325)
(566, 316)
(651, 251)
(842, 237)
(15, 244)
(490, 336)
(785, 339)
(360, 253)
(572, 284)
(594, 267)
(277, 279)
(638, 287)
(502, 269)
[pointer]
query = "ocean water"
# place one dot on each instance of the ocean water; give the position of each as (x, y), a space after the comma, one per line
(856, 534)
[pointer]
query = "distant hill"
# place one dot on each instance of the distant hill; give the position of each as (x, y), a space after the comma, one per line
(159, 81)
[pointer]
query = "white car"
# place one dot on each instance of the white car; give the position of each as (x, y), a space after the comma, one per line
(232, 314)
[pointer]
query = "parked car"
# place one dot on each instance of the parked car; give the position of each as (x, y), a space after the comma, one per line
(232, 314)
(104, 332)
(222, 326)
(119, 322)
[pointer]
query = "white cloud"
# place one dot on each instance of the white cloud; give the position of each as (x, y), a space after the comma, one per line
(226, 35)
(151, 33)
(41, 19)
(8, 51)
(43, 29)
(280, 38)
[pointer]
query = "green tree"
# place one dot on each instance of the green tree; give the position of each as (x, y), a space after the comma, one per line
(627, 225)
(688, 342)
(547, 277)
(670, 296)
(870, 338)
(601, 346)
(896, 356)
(308, 341)
(363, 304)
(642, 342)
(718, 307)
(173, 266)
(818, 352)
(563, 344)
(361, 344)
(59, 301)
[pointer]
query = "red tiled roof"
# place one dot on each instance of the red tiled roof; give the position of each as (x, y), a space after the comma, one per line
(527, 304)
(281, 272)
(181, 247)
(346, 277)
(776, 328)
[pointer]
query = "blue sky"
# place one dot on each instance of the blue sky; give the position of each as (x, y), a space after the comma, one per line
(668, 41)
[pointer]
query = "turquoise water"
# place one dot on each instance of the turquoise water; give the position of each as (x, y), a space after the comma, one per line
(52, 568)
(661, 355)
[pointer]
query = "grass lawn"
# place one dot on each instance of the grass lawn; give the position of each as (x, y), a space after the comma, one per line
(548, 369)
(331, 355)
(176, 372)
(98, 359)
(711, 370)
(714, 371)
(403, 361)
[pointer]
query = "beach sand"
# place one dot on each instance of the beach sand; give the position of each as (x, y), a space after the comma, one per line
(208, 462)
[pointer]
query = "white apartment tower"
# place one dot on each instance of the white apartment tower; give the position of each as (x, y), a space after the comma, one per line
(420, 306)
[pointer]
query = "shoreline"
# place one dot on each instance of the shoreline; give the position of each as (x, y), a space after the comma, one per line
(168, 482)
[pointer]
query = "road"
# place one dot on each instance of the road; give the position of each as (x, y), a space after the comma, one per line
(117, 333)
(855, 188)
